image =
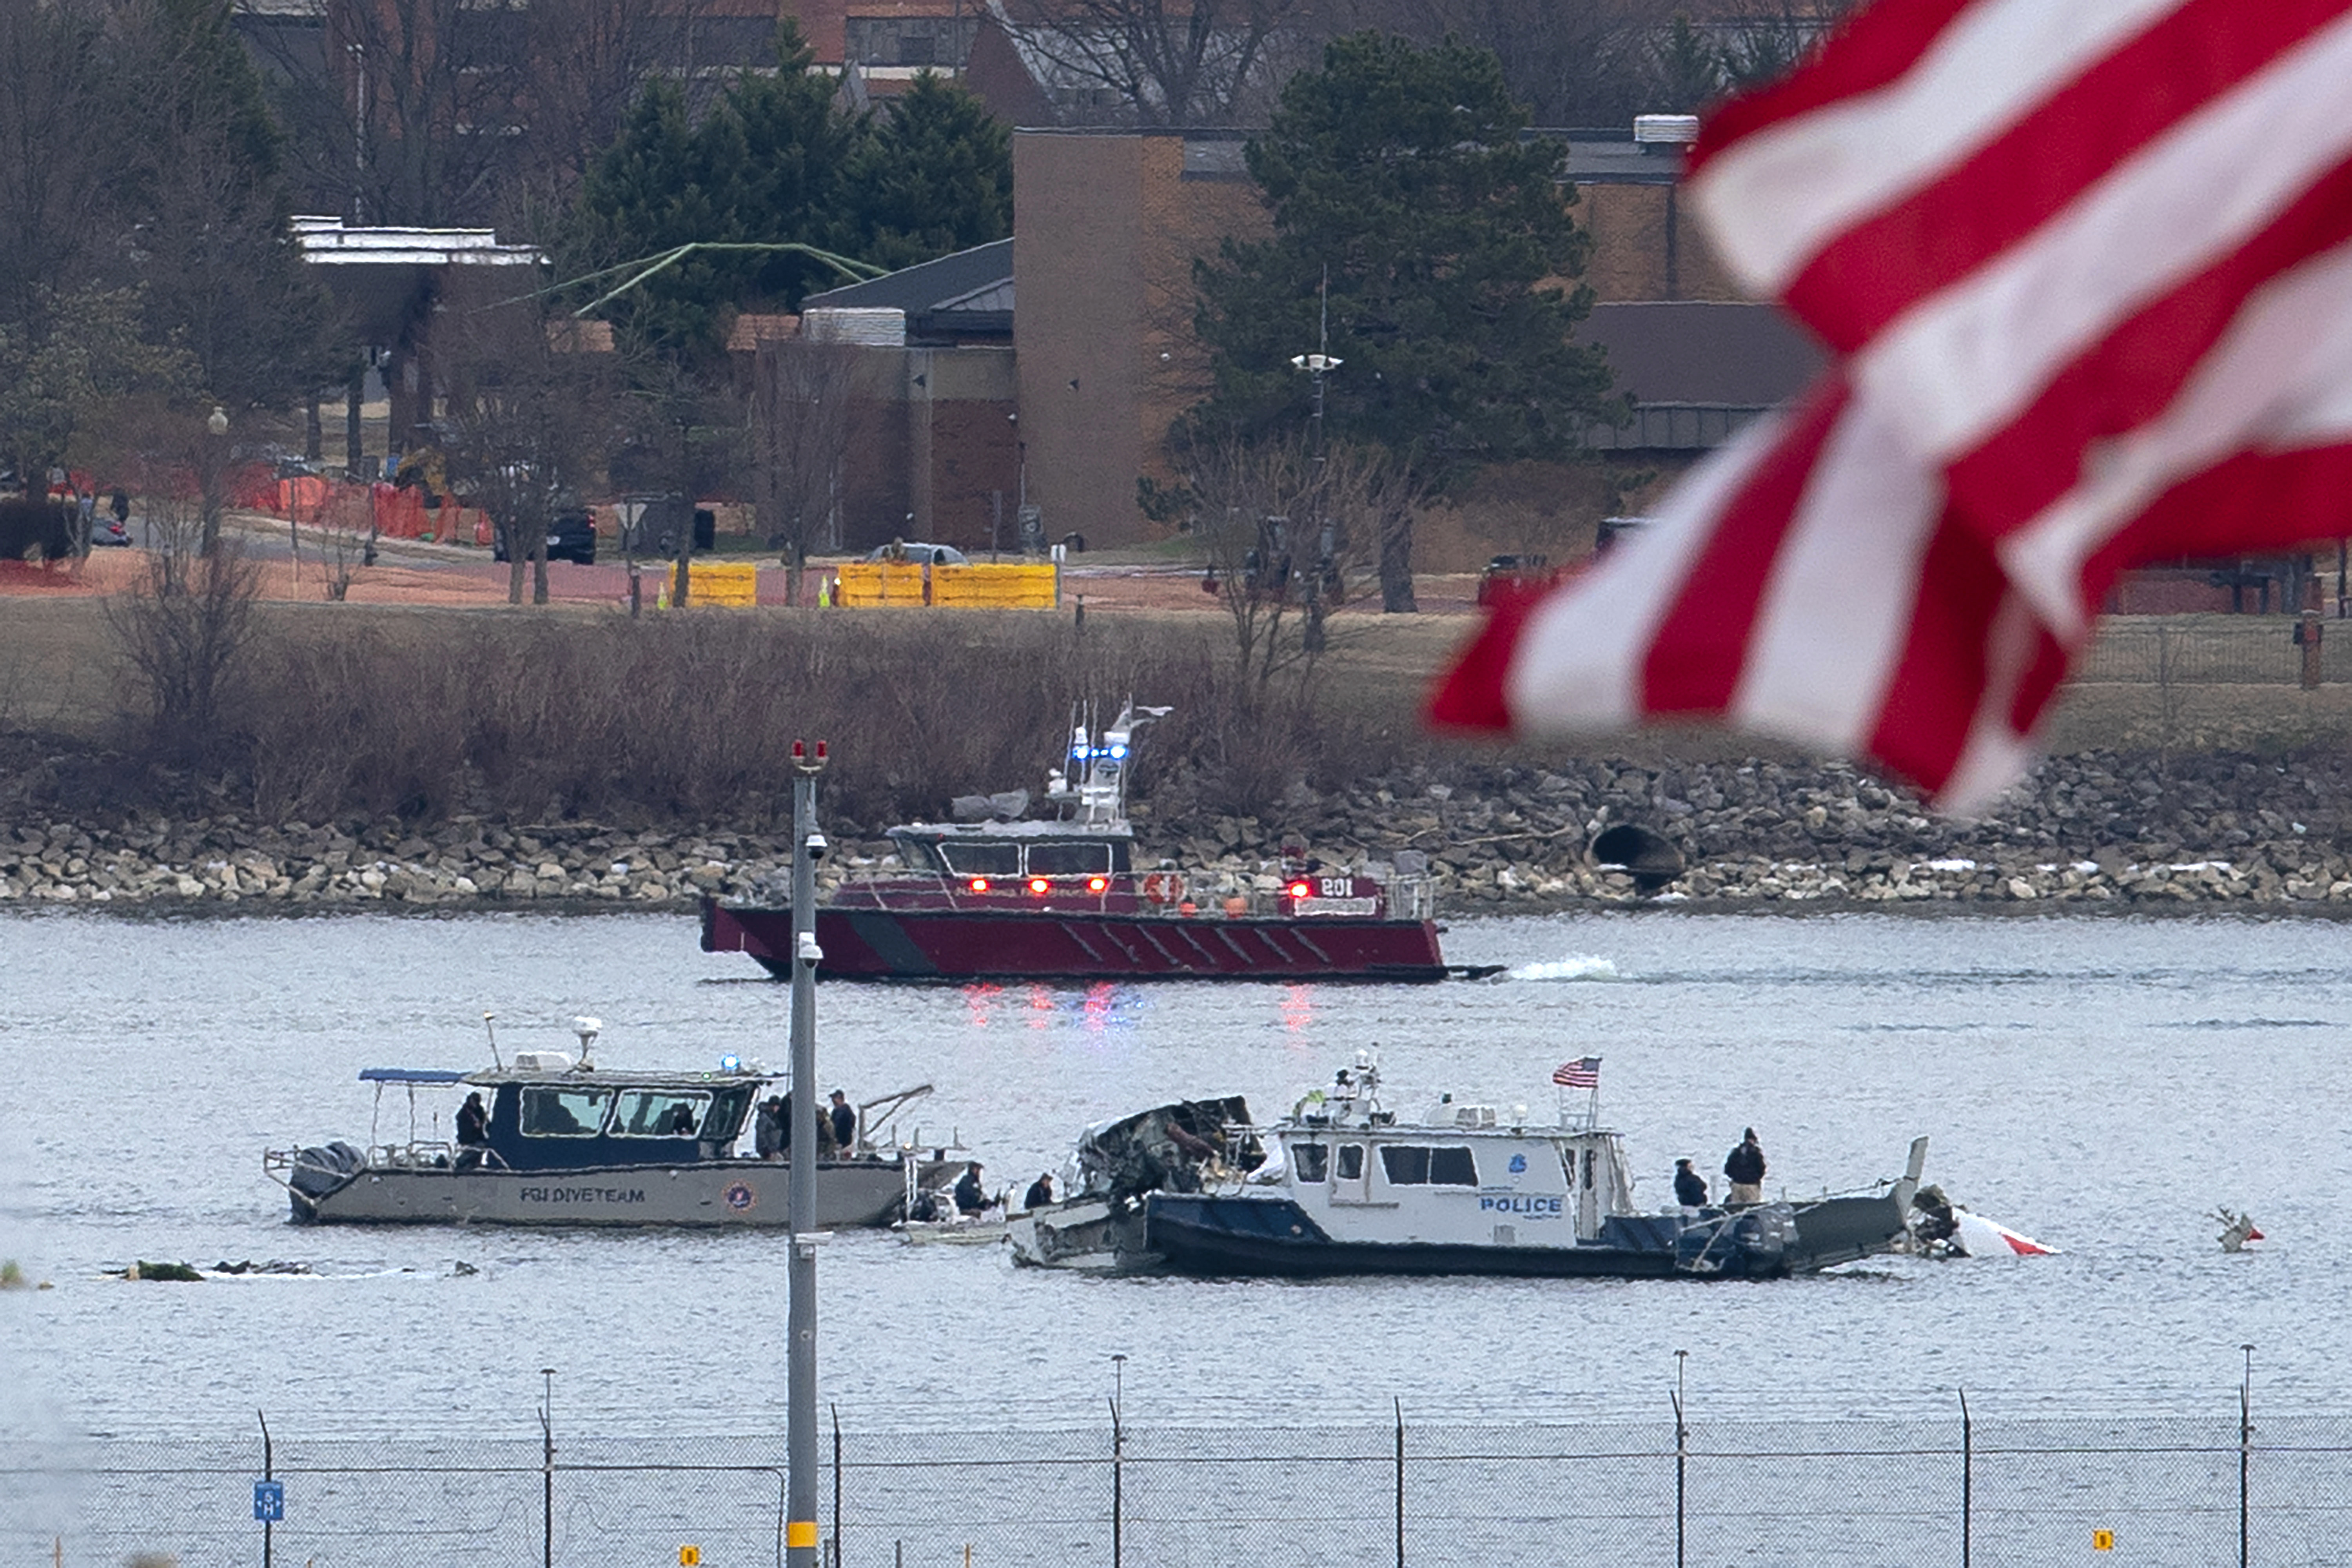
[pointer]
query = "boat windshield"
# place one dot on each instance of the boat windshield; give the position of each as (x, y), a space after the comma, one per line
(977, 859)
(552, 1112)
(1313, 1162)
(1074, 860)
(659, 1112)
(920, 854)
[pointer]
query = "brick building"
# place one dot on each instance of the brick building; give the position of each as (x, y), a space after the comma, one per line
(1111, 221)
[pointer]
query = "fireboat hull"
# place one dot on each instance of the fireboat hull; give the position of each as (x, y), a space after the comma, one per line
(980, 944)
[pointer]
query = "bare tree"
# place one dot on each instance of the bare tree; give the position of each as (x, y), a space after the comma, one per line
(526, 410)
(801, 429)
(1160, 62)
(695, 428)
(187, 627)
(440, 111)
(1290, 536)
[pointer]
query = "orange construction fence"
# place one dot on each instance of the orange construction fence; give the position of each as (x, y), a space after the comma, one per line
(392, 510)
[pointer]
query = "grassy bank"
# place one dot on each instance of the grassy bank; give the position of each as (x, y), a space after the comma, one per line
(337, 710)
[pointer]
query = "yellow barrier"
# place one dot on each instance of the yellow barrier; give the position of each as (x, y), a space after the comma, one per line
(732, 585)
(1018, 585)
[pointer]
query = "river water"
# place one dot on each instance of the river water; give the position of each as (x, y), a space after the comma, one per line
(2102, 1083)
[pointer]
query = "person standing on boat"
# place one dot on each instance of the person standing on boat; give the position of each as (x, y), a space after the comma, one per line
(768, 1132)
(473, 1131)
(1040, 1193)
(970, 1197)
(1744, 1168)
(845, 1122)
(1690, 1187)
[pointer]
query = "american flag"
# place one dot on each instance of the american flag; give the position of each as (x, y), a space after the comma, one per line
(1583, 1073)
(2087, 267)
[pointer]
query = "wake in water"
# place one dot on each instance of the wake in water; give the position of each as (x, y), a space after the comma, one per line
(1575, 966)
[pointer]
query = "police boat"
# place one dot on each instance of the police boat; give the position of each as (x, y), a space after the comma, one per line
(563, 1141)
(1351, 1187)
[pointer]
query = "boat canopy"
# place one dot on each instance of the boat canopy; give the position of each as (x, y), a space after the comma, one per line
(411, 1075)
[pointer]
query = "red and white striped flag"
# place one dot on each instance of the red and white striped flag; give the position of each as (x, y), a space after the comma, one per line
(2087, 265)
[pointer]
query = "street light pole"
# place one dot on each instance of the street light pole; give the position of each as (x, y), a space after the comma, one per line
(1318, 364)
(800, 1440)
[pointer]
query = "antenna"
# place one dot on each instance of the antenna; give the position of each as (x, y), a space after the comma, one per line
(587, 1029)
(489, 1028)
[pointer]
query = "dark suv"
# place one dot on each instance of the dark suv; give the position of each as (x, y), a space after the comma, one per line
(571, 536)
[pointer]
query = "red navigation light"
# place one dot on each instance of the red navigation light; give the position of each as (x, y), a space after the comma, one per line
(1038, 885)
(820, 751)
(800, 749)
(979, 884)
(1097, 884)
(1297, 889)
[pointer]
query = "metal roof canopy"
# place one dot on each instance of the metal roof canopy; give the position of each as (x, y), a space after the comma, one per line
(381, 274)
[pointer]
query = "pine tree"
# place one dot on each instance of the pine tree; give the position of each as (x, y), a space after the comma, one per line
(1401, 176)
(935, 176)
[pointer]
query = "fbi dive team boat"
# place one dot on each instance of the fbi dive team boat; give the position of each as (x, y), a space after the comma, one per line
(1062, 896)
(568, 1143)
(1345, 1185)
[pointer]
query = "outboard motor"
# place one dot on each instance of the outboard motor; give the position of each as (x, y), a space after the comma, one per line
(319, 1172)
(1649, 855)
(1744, 1244)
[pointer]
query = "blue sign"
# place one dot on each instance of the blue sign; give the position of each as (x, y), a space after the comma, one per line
(269, 1501)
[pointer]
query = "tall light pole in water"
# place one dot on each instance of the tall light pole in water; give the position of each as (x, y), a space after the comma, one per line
(800, 1409)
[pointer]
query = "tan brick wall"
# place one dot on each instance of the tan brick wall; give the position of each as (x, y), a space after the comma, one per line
(1109, 228)
(1077, 209)
(1646, 245)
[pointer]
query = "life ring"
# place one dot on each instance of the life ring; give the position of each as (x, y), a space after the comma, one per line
(1163, 886)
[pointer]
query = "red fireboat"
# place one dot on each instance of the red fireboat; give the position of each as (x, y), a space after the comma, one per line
(1060, 898)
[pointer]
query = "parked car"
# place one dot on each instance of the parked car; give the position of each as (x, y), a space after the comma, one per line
(921, 554)
(106, 531)
(571, 536)
(1508, 575)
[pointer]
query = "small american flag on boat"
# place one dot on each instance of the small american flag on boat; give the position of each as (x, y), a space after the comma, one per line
(1583, 1073)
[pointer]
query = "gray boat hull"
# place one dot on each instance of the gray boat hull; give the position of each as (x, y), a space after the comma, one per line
(747, 1194)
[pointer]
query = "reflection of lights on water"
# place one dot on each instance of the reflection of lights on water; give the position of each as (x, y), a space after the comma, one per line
(1297, 1009)
(1103, 1005)
(979, 1001)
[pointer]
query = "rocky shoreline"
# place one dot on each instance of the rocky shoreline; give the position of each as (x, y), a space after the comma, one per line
(2131, 832)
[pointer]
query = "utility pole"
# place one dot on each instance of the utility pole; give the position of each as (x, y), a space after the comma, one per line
(799, 1412)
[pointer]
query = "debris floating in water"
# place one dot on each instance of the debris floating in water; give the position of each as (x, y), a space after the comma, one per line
(2237, 1230)
(1575, 966)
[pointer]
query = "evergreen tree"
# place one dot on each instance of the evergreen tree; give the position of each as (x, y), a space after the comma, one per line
(1400, 176)
(935, 176)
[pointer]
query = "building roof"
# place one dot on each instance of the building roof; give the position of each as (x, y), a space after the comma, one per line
(969, 293)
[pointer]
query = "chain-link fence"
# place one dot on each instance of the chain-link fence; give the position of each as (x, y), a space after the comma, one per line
(2254, 650)
(2210, 1489)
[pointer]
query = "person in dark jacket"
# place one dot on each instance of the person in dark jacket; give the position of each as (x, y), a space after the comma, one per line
(845, 1122)
(1040, 1193)
(1744, 1169)
(473, 1131)
(970, 1197)
(1690, 1187)
(768, 1132)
